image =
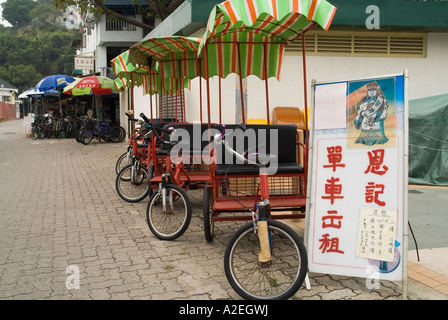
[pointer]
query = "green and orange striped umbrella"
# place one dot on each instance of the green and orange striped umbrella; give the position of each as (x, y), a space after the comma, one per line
(176, 58)
(137, 73)
(247, 33)
(128, 74)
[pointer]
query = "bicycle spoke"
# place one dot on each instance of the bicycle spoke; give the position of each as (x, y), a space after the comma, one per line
(279, 278)
(172, 222)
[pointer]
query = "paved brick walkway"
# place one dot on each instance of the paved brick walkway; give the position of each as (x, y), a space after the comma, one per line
(59, 209)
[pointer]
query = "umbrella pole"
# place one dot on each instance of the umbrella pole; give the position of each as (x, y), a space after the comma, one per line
(180, 79)
(184, 116)
(200, 89)
(182, 102)
(208, 83)
(60, 105)
(150, 97)
(177, 102)
(305, 91)
(132, 96)
(158, 109)
(220, 100)
(241, 85)
(265, 66)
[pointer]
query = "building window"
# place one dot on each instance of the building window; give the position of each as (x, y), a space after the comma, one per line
(362, 44)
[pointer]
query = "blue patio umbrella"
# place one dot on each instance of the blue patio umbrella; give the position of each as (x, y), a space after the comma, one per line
(24, 94)
(52, 85)
(33, 93)
(54, 82)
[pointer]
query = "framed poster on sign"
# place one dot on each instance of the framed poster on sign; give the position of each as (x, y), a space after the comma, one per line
(357, 180)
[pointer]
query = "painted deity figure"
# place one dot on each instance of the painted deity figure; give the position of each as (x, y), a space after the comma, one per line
(370, 116)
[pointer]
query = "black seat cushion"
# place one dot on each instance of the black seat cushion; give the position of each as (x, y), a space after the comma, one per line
(250, 169)
(279, 141)
(188, 132)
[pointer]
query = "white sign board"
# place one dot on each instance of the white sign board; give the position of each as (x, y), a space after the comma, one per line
(357, 189)
(84, 63)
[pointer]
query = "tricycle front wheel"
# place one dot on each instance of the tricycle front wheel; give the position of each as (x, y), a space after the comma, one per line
(168, 213)
(279, 279)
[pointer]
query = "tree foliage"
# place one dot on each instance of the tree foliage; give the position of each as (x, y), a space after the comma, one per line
(45, 12)
(17, 12)
(34, 47)
(35, 50)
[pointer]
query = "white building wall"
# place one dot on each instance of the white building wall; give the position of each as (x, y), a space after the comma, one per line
(427, 76)
(98, 39)
(101, 60)
(90, 46)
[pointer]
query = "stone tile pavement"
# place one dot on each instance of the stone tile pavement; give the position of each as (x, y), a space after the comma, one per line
(59, 209)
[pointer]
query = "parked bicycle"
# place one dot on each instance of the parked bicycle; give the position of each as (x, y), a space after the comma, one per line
(37, 128)
(140, 161)
(106, 131)
(264, 259)
(47, 127)
(136, 147)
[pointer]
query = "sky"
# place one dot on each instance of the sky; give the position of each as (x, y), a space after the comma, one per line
(2, 21)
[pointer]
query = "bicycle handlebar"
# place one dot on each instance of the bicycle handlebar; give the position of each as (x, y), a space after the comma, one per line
(170, 130)
(223, 138)
(142, 115)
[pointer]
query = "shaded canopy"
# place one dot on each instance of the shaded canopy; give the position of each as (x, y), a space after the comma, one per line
(174, 58)
(54, 82)
(248, 32)
(97, 85)
(129, 74)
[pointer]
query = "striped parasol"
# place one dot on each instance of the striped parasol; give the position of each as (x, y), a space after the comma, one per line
(245, 33)
(135, 74)
(176, 58)
(97, 85)
(123, 66)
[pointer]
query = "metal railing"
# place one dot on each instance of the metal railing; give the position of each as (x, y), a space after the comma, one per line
(113, 24)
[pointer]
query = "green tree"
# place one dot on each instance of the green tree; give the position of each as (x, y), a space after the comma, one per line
(17, 12)
(37, 52)
(66, 61)
(22, 76)
(7, 43)
(53, 48)
(45, 13)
